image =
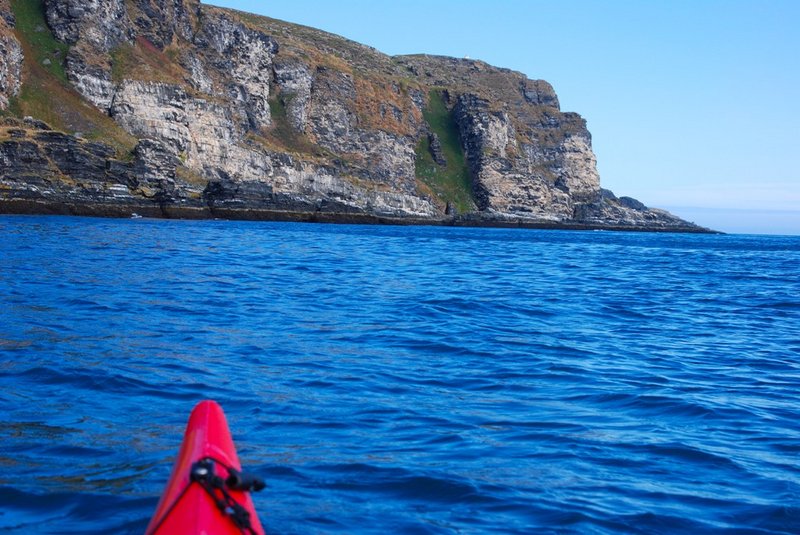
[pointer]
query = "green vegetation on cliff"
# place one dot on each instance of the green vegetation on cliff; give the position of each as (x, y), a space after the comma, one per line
(46, 50)
(452, 183)
(46, 94)
(281, 136)
(143, 61)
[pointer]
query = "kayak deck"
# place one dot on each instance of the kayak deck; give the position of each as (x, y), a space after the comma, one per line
(202, 495)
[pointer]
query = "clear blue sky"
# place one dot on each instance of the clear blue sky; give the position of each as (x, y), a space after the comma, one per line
(694, 106)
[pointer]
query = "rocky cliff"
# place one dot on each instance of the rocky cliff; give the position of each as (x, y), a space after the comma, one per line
(184, 110)
(10, 56)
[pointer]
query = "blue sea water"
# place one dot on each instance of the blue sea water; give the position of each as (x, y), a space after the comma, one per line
(403, 379)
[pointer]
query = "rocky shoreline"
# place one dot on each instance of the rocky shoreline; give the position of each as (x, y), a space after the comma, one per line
(122, 211)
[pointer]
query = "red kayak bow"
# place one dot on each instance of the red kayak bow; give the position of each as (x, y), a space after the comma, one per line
(207, 492)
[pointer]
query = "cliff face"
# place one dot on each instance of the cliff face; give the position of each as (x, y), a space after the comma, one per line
(196, 108)
(10, 56)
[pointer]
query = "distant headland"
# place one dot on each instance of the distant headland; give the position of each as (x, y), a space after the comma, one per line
(191, 111)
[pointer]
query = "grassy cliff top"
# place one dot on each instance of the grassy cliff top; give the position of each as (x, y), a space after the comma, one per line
(320, 48)
(317, 47)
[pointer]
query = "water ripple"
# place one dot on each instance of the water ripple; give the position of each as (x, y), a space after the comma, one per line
(410, 380)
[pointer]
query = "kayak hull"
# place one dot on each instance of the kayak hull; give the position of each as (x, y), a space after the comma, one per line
(186, 507)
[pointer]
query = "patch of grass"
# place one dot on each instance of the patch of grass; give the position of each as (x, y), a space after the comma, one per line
(281, 134)
(43, 48)
(377, 102)
(121, 61)
(451, 183)
(191, 177)
(316, 46)
(34, 100)
(143, 61)
(7, 112)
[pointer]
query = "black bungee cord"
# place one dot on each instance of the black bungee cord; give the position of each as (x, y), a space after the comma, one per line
(202, 472)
